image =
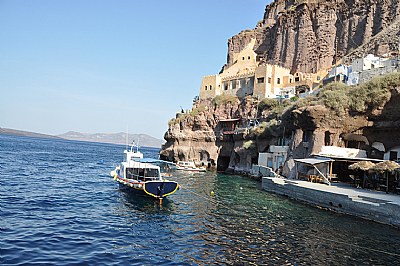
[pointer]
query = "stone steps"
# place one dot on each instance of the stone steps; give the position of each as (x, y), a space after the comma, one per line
(360, 200)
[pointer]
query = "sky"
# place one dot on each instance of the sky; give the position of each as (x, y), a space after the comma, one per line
(105, 66)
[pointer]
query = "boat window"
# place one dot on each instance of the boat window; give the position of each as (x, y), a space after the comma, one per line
(151, 172)
(132, 173)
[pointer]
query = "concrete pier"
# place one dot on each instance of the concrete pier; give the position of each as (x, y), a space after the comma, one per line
(373, 205)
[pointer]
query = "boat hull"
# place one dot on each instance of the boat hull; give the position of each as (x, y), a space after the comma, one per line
(160, 189)
(155, 188)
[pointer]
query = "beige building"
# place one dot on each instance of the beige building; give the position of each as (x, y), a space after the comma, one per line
(247, 76)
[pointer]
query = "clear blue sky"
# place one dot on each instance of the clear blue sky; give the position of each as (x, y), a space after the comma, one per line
(102, 66)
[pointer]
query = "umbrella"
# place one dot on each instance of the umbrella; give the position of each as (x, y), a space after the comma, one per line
(361, 165)
(384, 167)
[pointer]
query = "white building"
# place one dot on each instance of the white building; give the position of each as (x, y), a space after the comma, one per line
(364, 69)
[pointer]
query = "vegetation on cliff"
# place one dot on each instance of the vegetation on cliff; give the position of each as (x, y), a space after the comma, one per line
(254, 125)
(358, 99)
(224, 99)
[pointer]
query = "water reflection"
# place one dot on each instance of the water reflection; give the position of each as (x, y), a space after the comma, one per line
(249, 225)
(136, 201)
(240, 224)
(71, 212)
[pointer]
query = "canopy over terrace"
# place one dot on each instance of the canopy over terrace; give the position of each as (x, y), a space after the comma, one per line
(314, 162)
(228, 125)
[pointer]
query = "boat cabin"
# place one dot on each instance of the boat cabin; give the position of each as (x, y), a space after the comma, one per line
(141, 171)
(132, 155)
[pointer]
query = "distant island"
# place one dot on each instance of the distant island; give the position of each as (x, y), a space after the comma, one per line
(113, 138)
(8, 131)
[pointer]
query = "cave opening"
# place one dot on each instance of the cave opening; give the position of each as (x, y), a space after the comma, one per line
(223, 163)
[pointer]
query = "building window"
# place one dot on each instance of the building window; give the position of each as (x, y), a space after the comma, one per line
(290, 80)
(233, 84)
(243, 58)
(210, 87)
(242, 83)
(297, 79)
(327, 138)
(393, 155)
(278, 81)
(250, 82)
(260, 80)
(248, 57)
(225, 86)
(205, 88)
(269, 80)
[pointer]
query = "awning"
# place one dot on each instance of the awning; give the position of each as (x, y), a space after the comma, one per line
(229, 120)
(350, 159)
(313, 161)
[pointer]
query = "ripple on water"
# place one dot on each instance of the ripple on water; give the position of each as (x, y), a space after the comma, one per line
(63, 208)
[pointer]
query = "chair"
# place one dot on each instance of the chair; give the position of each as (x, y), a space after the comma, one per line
(333, 178)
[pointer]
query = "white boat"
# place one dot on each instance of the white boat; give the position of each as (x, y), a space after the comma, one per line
(189, 166)
(143, 177)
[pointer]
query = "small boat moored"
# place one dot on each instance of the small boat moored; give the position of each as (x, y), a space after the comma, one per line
(143, 177)
(189, 166)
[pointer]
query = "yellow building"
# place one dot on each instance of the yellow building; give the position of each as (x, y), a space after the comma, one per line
(247, 76)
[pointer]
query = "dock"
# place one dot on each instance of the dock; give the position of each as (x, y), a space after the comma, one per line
(373, 205)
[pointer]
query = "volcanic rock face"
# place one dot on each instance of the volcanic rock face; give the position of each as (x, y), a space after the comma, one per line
(199, 135)
(219, 135)
(307, 36)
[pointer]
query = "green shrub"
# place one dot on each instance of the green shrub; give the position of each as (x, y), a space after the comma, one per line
(265, 128)
(280, 108)
(374, 93)
(267, 103)
(258, 131)
(172, 122)
(361, 98)
(197, 110)
(249, 144)
(307, 101)
(224, 99)
(335, 96)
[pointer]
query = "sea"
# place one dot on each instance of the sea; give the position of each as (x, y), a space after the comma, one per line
(60, 206)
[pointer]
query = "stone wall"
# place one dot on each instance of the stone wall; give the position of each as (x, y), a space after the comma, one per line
(382, 211)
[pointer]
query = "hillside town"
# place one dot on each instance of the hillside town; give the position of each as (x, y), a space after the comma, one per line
(249, 76)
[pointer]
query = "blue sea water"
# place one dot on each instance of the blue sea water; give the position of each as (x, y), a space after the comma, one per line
(59, 206)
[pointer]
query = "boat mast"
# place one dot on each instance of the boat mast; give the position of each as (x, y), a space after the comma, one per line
(126, 137)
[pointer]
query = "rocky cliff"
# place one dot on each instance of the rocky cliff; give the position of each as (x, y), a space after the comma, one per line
(199, 134)
(305, 36)
(311, 35)
(223, 134)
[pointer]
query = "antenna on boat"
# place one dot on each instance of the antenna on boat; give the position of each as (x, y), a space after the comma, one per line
(133, 144)
(126, 138)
